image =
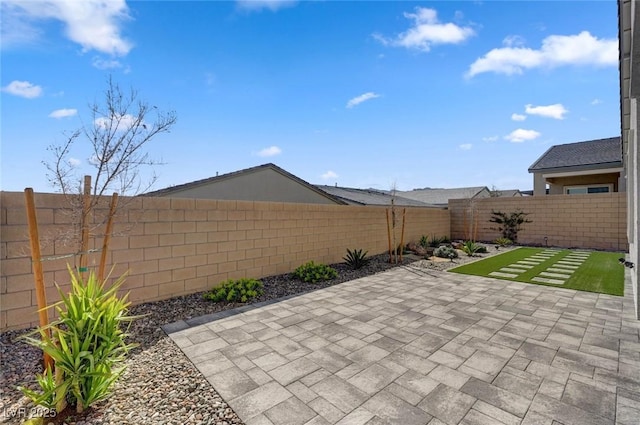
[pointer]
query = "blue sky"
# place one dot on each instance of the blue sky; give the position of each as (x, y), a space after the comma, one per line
(362, 93)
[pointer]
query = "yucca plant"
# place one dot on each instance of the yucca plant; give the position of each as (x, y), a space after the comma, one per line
(356, 259)
(87, 344)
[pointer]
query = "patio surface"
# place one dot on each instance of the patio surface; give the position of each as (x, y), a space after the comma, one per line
(415, 346)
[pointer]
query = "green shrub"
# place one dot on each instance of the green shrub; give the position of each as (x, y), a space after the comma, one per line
(445, 251)
(503, 242)
(424, 241)
(312, 272)
(87, 344)
(436, 241)
(470, 248)
(356, 259)
(509, 224)
(482, 249)
(233, 291)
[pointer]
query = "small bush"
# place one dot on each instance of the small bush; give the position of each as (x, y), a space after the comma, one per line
(311, 272)
(509, 224)
(356, 259)
(424, 241)
(482, 249)
(436, 241)
(233, 291)
(445, 251)
(471, 248)
(503, 242)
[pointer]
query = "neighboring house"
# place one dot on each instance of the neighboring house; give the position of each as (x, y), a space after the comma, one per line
(507, 193)
(266, 182)
(629, 48)
(353, 196)
(594, 166)
(440, 197)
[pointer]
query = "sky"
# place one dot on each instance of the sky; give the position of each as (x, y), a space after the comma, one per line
(368, 94)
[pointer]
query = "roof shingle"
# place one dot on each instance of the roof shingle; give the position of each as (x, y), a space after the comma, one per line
(592, 154)
(356, 196)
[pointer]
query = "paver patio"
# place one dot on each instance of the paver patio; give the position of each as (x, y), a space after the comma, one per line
(413, 346)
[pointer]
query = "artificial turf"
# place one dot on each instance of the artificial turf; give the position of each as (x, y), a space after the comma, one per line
(601, 272)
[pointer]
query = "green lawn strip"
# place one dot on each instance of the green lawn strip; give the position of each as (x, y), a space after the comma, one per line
(496, 262)
(601, 272)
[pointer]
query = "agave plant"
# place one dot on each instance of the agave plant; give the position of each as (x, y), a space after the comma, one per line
(471, 248)
(356, 259)
(503, 242)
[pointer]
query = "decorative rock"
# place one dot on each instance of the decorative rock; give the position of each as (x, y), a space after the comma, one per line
(160, 385)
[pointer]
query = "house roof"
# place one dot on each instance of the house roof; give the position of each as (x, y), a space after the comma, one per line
(356, 196)
(592, 154)
(175, 189)
(509, 193)
(442, 196)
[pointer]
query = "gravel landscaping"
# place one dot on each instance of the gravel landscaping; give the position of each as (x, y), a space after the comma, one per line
(160, 385)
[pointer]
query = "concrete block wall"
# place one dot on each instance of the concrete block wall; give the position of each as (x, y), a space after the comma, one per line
(595, 221)
(172, 246)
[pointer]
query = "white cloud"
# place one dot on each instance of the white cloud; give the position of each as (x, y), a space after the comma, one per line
(101, 63)
(93, 24)
(465, 146)
(329, 175)
(362, 98)
(63, 113)
(15, 30)
(74, 162)
(596, 102)
(518, 117)
(513, 41)
(556, 50)
(121, 123)
(270, 151)
(556, 111)
(490, 139)
(23, 89)
(520, 135)
(426, 32)
(258, 5)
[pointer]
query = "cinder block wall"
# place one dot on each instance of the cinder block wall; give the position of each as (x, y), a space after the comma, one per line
(596, 221)
(180, 246)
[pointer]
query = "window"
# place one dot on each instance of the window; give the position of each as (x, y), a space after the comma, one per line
(580, 190)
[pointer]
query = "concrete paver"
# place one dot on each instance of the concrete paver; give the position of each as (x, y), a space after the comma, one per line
(411, 346)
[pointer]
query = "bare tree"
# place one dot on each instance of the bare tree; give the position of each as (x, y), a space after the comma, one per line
(121, 126)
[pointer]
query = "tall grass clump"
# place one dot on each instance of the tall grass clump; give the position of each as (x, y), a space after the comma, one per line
(86, 342)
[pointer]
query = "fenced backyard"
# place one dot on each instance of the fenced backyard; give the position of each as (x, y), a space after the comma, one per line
(174, 247)
(594, 221)
(180, 246)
